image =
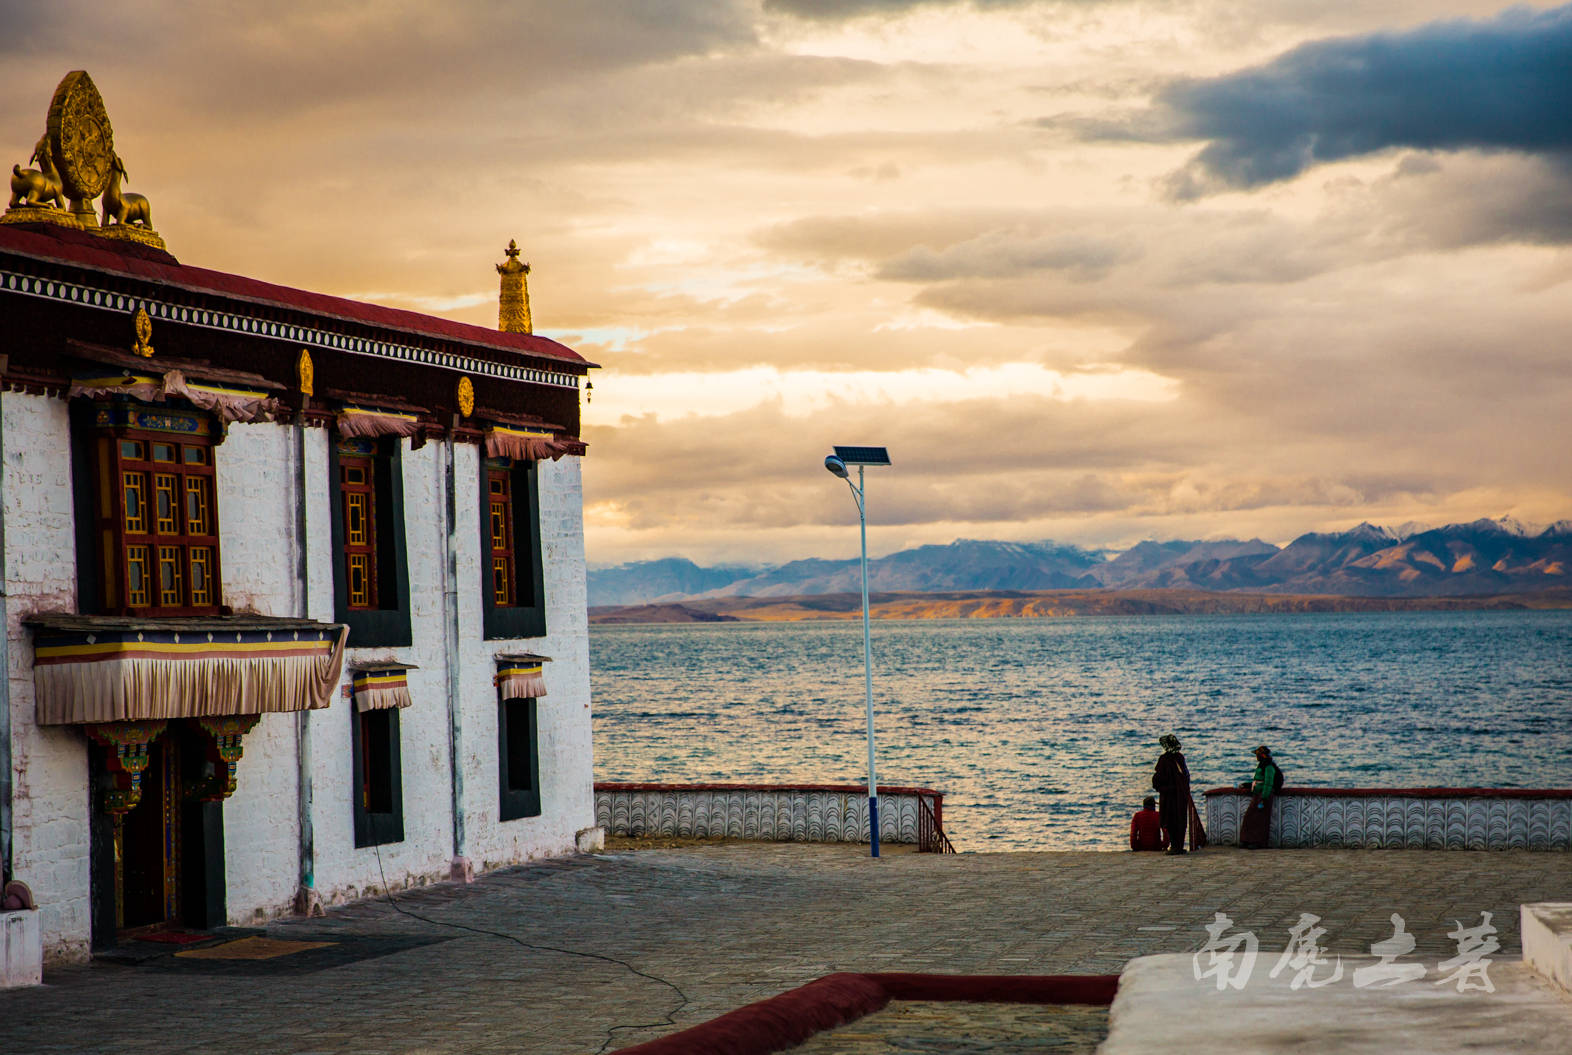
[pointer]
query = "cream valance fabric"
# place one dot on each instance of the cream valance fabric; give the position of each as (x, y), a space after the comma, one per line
(521, 678)
(123, 673)
(364, 421)
(228, 402)
(506, 441)
(381, 687)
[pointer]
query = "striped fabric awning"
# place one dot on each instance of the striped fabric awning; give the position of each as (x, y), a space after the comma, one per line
(370, 421)
(520, 676)
(525, 444)
(86, 671)
(230, 402)
(381, 686)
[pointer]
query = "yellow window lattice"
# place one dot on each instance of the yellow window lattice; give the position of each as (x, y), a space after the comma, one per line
(201, 575)
(359, 580)
(501, 582)
(170, 578)
(135, 486)
(198, 511)
(137, 577)
(355, 527)
(168, 503)
(499, 527)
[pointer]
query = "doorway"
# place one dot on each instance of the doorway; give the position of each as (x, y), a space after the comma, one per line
(163, 868)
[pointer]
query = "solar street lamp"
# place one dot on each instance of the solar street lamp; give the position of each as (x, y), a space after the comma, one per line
(839, 463)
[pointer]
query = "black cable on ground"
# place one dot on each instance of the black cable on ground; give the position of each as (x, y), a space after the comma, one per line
(611, 1033)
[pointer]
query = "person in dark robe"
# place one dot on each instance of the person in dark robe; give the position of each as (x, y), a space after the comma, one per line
(1256, 825)
(1172, 782)
(1146, 828)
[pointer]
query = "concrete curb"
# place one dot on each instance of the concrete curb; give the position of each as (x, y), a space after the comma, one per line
(792, 1017)
(1546, 929)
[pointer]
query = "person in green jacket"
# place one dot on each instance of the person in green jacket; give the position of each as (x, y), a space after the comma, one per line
(1256, 826)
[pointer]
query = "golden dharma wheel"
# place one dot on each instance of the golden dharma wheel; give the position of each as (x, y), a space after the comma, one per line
(80, 139)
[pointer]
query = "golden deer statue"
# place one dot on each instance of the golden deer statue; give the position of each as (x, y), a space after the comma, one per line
(124, 208)
(40, 187)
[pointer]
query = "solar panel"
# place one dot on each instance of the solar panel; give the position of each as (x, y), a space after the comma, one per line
(863, 455)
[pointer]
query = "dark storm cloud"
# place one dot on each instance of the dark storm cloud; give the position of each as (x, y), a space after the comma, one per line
(1497, 85)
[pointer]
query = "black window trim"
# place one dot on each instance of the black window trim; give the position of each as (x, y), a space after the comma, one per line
(387, 627)
(527, 619)
(518, 802)
(371, 828)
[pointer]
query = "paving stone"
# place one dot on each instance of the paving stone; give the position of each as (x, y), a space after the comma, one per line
(728, 924)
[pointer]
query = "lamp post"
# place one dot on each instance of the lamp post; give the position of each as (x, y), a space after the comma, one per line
(838, 464)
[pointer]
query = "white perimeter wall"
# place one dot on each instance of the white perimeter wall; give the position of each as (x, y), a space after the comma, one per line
(258, 491)
(49, 794)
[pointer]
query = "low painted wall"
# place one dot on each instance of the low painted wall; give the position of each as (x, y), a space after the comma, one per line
(817, 813)
(1403, 818)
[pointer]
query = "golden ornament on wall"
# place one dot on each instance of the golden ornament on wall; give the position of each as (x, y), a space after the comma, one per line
(144, 334)
(307, 372)
(466, 397)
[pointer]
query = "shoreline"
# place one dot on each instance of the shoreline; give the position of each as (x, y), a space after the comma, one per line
(1051, 604)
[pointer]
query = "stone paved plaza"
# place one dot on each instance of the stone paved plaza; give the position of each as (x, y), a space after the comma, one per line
(731, 923)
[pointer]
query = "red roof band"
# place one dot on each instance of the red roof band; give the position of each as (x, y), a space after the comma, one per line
(84, 250)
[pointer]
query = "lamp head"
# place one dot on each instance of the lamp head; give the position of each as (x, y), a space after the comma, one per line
(836, 466)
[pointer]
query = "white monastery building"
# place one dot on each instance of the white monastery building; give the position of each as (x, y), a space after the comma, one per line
(294, 585)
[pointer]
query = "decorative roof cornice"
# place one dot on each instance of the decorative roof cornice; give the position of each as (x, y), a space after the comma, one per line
(230, 303)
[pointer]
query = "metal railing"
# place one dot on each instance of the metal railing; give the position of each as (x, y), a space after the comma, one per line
(930, 832)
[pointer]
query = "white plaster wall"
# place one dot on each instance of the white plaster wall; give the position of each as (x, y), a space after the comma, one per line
(255, 467)
(257, 489)
(343, 871)
(563, 715)
(50, 796)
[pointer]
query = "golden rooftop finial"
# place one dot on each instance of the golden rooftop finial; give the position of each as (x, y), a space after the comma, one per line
(77, 163)
(513, 303)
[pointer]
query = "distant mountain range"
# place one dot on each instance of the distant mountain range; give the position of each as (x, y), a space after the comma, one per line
(1486, 557)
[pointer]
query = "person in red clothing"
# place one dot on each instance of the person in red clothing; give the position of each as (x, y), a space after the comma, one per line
(1146, 828)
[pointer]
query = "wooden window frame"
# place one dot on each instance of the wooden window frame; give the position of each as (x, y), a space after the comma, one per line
(107, 543)
(526, 617)
(387, 624)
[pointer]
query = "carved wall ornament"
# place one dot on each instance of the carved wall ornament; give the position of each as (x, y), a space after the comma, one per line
(125, 758)
(82, 141)
(144, 334)
(466, 397)
(307, 372)
(225, 747)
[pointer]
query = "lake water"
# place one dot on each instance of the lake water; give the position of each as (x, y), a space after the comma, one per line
(1042, 733)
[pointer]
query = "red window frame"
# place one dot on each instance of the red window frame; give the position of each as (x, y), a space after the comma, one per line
(157, 501)
(357, 487)
(499, 505)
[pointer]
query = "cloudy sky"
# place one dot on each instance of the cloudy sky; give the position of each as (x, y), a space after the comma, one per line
(1093, 270)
